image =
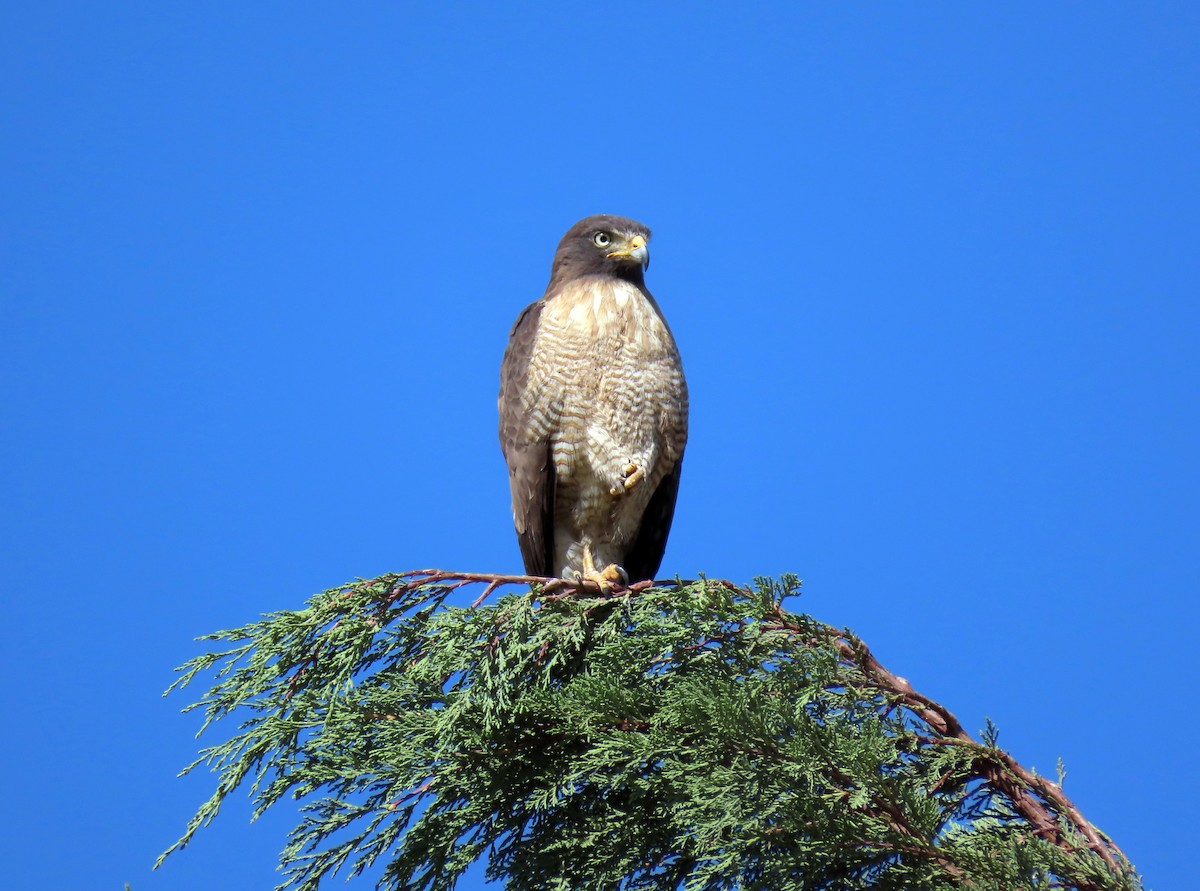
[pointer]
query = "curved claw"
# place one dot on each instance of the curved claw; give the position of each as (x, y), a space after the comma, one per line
(632, 475)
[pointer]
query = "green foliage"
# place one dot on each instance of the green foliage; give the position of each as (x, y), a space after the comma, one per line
(690, 736)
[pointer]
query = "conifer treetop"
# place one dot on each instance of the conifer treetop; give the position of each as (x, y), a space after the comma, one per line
(676, 734)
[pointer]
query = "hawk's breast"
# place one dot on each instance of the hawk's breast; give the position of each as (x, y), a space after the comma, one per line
(606, 387)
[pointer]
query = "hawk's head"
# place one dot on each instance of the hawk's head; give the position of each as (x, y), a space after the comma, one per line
(602, 245)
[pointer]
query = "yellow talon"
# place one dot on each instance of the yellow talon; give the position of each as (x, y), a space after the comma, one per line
(605, 578)
(633, 475)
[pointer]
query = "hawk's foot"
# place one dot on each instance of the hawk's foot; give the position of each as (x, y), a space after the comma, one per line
(632, 474)
(605, 578)
(614, 574)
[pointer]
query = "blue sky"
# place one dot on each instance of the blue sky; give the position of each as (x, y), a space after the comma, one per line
(933, 270)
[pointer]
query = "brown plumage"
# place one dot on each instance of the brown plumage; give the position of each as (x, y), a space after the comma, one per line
(593, 412)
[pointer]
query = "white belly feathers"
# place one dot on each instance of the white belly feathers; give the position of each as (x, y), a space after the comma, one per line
(611, 394)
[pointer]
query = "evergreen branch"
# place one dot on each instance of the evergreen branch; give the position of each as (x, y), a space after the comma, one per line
(674, 734)
(1043, 809)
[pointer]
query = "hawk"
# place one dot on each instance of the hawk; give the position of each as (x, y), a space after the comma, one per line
(594, 412)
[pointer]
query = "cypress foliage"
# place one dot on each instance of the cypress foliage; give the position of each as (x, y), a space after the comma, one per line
(689, 735)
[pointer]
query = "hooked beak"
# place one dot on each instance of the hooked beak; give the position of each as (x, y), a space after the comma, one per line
(636, 250)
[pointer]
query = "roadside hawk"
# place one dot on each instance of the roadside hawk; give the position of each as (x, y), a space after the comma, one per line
(594, 412)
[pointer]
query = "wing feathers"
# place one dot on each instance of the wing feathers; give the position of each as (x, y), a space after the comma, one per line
(643, 559)
(530, 467)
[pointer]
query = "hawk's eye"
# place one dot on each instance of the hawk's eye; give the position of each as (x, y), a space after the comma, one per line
(601, 239)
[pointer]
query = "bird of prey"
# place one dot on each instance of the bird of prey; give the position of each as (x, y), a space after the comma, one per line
(594, 412)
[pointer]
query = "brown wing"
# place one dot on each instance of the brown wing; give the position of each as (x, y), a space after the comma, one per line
(646, 553)
(530, 466)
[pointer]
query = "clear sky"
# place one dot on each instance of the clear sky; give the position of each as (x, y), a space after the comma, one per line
(933, 269)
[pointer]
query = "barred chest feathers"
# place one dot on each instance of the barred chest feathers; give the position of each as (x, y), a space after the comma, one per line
(617, 397)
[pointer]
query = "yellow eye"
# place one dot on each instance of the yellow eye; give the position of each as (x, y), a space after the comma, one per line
(601, 239)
